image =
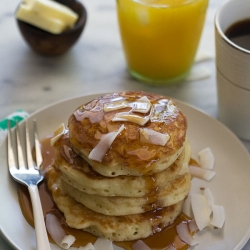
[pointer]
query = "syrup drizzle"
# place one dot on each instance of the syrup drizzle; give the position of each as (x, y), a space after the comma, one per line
(158, 241)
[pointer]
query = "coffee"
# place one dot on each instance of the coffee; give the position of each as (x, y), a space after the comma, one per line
(239, 33)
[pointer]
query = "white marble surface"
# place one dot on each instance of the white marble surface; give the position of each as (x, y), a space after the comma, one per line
(94, 65)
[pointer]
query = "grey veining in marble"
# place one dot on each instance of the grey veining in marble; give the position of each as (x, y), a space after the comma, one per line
(95, 64)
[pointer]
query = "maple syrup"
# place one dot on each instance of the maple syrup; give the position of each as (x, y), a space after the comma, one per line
(158, 241)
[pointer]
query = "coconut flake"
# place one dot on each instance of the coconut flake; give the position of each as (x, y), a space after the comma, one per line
(125, 116)
(141, 107)
(170, 247)
(111, 106)
(178, 243)
(218, 218)
(144, 99)
(59, 132)
(184, 234)
(199, 207)
(210, 199)
(192, 225)
(67, 150)
(140, 245)
(103, 244)
(206, 158)
(89, 246)
(67, 241)
(104, 144)
(201, 173)
(153, 137)
(54, 228)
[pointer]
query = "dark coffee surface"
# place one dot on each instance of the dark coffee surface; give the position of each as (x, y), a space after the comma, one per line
(239, 33)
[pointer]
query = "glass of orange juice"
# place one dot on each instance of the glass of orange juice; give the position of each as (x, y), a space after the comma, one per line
(160, 37)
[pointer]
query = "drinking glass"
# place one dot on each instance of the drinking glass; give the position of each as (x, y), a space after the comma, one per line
(160, 37)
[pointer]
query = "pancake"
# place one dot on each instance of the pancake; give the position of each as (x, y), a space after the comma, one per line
(128, 154)
(174, 192)
(121, 166)
(115, 228)
(78, 173)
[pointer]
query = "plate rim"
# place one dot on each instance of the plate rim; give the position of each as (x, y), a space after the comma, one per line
(243, 240)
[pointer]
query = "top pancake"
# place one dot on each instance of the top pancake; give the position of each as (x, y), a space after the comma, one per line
(128, 155)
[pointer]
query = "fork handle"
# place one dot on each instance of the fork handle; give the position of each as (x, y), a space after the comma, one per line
(42, 241)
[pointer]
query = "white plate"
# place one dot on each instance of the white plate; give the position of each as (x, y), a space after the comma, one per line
(231, 185)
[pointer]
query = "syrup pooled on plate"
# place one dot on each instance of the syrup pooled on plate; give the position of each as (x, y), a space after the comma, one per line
(158, 241)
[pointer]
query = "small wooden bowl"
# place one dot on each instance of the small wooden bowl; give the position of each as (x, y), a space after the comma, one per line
(46, 43)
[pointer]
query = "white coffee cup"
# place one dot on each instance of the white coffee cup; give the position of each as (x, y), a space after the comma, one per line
(233, 70)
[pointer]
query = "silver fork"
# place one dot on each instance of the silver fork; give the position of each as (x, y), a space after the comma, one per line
(22, 169)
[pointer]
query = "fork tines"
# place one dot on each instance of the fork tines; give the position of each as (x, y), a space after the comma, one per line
(23, 159)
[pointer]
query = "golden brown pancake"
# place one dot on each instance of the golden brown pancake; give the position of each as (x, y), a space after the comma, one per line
(174, 192)
(128, 155)
(78, 173)
(115, 228)
(123, 185)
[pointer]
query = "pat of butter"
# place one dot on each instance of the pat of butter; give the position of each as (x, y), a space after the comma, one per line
(52, 9)
(51, 25)
(47, 14)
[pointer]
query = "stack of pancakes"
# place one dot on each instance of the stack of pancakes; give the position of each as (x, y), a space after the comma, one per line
(135, 184)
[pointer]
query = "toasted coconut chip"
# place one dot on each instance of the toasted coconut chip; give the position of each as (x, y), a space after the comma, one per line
(123, 116)
(170, 247)
(67, 241)
(104, 144)
(218, 218)
(103, 244)
(67, 151)
(54, 228)
(178, 243)
(141, 107)
(192, 226)
(153, 137)
(206, 158)
(210, 199)
(59, 132)
(89, 246)
(201, 173)
(199, 207)
(140, 245)
(111, 106)
(185, 235)
(144, 99)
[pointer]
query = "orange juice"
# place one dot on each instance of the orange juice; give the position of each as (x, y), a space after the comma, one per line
(160, 37)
